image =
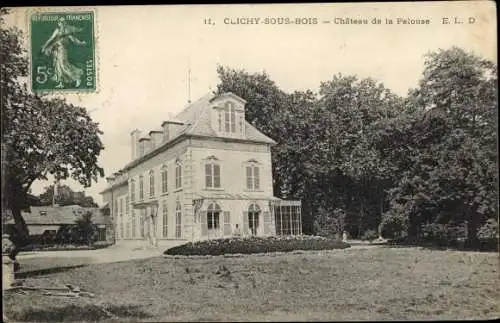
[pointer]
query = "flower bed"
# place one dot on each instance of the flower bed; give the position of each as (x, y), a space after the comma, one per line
(251, 245)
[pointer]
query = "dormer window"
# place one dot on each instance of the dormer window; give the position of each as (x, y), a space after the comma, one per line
(229, 117)
(219, 120)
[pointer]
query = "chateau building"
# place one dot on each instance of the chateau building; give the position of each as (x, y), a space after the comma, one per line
(206, 174)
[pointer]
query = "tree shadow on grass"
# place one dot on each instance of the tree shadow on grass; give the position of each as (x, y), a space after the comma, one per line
(78, 313)
(482, 246)
(45, 271)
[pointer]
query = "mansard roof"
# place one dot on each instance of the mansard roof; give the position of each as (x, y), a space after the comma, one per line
(196, 118)
(194, 121)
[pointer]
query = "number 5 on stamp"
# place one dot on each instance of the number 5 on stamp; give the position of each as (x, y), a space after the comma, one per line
(63, 51)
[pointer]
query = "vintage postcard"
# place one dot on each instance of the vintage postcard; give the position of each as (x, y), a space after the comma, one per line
(257, 162)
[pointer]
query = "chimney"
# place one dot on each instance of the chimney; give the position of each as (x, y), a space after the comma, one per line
(144, 145)
(166, 135)
(156, 138)
(170, 129)
(134, 143)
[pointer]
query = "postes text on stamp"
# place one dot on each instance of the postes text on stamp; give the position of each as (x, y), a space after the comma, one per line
(63, 51)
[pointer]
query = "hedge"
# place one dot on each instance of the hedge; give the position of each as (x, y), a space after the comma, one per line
(250, 245)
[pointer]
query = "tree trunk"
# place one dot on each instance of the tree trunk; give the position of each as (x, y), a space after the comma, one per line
(413, 230)
(472, 226)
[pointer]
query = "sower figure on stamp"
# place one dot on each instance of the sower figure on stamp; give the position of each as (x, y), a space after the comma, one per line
(64, 71)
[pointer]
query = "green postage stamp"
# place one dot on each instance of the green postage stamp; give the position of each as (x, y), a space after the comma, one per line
(63, 51)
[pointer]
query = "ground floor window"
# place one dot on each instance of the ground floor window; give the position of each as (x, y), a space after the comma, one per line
(133, 224)
(165, 218)
(213, 216)
(253, 218)
(101, 234)
(287, 220)
(121, 230)
(178, 224)
(141, 222)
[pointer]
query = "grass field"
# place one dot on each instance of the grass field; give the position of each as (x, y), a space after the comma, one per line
(351, 284)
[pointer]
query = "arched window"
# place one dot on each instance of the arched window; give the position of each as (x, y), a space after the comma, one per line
(230, 117)
(151, 183)
(141, 188)
(178, 174)
(213, 216)
(212, 173)
(178, 215)
(164, 179)
(253, 218)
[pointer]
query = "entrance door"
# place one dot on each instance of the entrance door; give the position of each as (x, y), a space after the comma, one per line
(253, 218)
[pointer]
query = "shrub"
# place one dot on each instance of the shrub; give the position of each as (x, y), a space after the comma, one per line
(393, 226)
(329, 223)
(443, 235)
(249, 245)
(370, 235)
(489, 230)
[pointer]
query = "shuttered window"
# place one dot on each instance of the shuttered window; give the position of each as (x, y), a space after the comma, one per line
(212, 175)
(252, 177)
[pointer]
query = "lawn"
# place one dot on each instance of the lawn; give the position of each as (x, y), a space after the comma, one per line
(350, 284)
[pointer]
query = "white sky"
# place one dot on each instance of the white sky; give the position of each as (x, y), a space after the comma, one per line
(144, 51)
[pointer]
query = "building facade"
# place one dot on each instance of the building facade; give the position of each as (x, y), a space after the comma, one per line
(44, 223)
(206, 174)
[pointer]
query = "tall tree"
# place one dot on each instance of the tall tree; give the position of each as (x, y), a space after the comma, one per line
(446, 153)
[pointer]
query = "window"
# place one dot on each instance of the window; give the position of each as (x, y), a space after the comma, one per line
(212, 174)
(101, 234)
(141, 222)
(287, 219)
(151, 183)
(121, 207)
(241, 123)
(127, 205)
(178, 174)
(178, 213)
(213, 215)
(252, 175)
(133, 224)
(121, 230)
(141, 188)
(115, 209)
(132, 190)
(164, 179)
(127, 231)
(253, 218)
(165, 218)
(230, 117)
(219, 120)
